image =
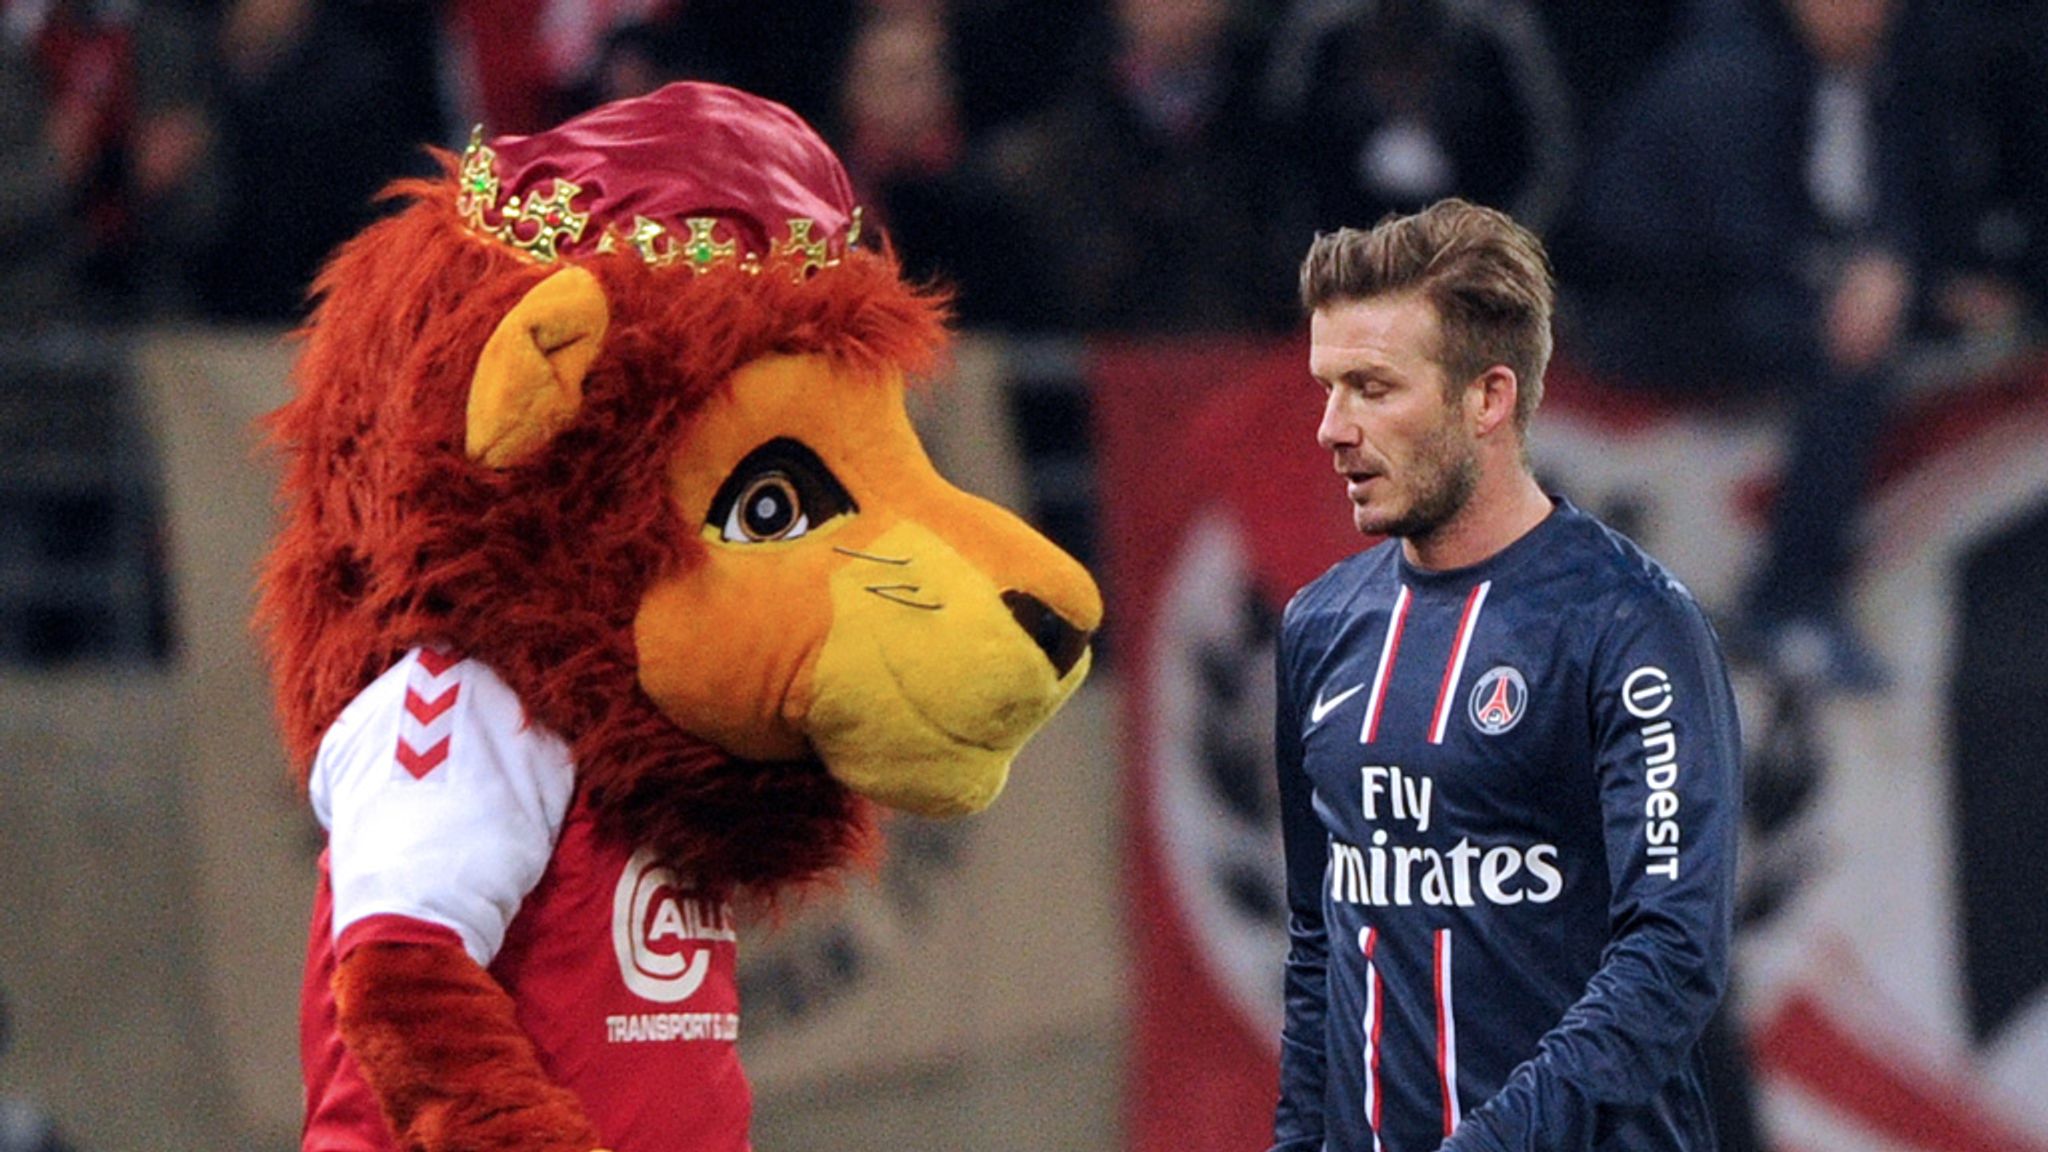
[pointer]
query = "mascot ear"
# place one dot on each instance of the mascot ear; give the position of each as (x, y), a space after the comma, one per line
(529, 380)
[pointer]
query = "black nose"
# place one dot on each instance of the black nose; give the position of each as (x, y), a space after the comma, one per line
(1062, 643)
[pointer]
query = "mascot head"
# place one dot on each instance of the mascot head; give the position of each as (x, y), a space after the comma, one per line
(618, 409)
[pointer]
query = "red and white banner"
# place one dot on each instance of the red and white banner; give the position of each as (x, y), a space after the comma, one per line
(1893, 967)
(1217, 505)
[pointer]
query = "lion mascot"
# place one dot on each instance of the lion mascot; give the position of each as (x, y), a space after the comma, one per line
(613, 590)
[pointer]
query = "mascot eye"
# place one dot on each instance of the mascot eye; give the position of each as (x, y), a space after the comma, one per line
(768, 510)
(779, 492)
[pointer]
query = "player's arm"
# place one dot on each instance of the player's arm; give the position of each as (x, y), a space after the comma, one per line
(1298, 1119)
(1668, 756)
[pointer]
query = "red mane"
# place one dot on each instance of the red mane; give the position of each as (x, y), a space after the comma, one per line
(392, 538)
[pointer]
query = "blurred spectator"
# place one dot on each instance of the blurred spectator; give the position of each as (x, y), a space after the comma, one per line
(601, 44)
(1991, 234)
(906, 149)
(41, 243)
(1748, 223)
(637, 59)
(325, 101)
(1404, 102)
(1151, 189)
(1020, 52)
(521, 66)
(529, 64)
(1604, 47)
(104, 139)
(787, 50)
(495, 71)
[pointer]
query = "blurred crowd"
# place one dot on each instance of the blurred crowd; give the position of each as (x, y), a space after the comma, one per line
(1120, 165)
(1128, 165)
(1773, 199)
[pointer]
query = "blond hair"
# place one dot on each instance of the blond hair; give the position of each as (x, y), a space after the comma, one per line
(1488, 278)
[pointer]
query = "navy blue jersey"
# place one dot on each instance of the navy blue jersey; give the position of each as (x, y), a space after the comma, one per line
(1510, 802)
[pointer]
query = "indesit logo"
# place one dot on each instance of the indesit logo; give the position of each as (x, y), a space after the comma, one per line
(1648, 695)
(659, 932)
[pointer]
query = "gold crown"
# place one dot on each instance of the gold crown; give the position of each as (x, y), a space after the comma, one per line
(539, 226)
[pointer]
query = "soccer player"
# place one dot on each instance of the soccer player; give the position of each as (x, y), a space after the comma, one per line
(1507, 748)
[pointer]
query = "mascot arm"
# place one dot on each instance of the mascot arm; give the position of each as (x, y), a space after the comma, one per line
(430, 857)
(436, 1040)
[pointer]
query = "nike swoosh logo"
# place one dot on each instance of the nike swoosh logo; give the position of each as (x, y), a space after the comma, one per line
(1322, 707)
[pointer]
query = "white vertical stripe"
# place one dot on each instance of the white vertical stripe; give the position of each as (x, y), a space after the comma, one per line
(1447, 1036)
(1395, 621)
(1449, 692)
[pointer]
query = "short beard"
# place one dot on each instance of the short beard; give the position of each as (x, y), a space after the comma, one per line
(1448, 475)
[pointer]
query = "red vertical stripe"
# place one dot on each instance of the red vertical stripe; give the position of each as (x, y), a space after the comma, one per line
(1454, 667)
(1446, 1032)
(1375, 1011)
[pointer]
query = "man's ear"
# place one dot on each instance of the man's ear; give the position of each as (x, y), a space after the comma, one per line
(1493, 395)
(529, 379)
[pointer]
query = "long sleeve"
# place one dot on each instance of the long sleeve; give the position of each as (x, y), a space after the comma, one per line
(1298, 1119)
(1667, 754)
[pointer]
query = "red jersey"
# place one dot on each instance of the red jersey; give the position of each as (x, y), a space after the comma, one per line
(452, 820)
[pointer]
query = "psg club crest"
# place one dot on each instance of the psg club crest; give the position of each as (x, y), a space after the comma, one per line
(1499, 700)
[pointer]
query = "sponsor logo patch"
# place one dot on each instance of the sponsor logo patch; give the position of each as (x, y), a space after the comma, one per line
(662, 934)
